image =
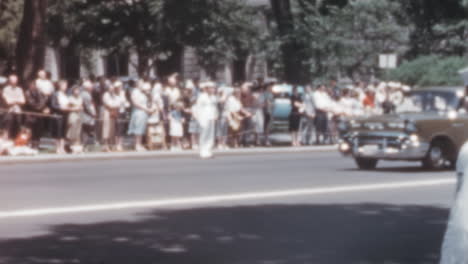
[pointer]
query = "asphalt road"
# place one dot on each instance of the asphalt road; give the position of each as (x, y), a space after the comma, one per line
(262, 208)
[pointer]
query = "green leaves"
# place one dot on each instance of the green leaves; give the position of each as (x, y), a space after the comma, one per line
(431, 71)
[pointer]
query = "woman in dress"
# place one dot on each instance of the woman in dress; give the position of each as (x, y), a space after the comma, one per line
(176, 123)
(295, 117)
(74, 108)
(109, 115)
(258, 118)
(121, 123)
(140, 98)
(59, 106)
(206, 114)
(235, 114)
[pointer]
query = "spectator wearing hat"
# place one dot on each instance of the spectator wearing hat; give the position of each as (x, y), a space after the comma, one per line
(206, 114)
(140, 98)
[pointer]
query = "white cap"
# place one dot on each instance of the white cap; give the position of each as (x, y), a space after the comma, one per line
(406, 88)
(118, 84)
(189, 84)
(146, 86)
(204, 85)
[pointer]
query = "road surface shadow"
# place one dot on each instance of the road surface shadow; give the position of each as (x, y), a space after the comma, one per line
(341, 234)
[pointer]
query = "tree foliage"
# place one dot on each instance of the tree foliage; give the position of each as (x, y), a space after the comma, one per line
(157, 30)
(437, 26)
(10, 19)
(340, 37)
(431, 71)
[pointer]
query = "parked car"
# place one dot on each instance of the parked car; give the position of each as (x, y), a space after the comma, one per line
(430, 127)
(282, 106)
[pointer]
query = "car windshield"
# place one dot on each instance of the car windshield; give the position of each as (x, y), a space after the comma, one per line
(429, 101)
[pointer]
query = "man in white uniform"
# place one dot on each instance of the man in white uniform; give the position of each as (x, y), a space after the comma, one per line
(206, 113)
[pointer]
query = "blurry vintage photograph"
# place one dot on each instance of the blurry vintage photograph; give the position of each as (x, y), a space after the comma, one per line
(233, 131)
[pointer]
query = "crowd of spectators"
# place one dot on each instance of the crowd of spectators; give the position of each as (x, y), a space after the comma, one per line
(109, 114)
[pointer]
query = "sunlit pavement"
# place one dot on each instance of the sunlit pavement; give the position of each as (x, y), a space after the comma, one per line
(304, 207)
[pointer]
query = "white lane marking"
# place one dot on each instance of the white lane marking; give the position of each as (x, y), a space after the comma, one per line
(223, 198)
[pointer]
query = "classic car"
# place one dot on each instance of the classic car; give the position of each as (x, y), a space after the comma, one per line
(430, 126)
(282, 106)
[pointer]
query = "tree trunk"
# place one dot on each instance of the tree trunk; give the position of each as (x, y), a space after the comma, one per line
(143, 64)
(173, 64)
(30, 50)
(293, 72)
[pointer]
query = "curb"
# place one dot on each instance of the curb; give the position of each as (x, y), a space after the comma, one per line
(44, 158)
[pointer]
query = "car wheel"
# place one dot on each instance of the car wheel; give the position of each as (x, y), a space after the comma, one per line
(436, 158)
(366, 164)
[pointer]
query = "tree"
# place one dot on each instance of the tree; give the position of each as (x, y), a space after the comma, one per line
(432, 22)
(227, 35)
(290, 48)
(30, 50)
(431, 71)
(10, 19)
(347, 39)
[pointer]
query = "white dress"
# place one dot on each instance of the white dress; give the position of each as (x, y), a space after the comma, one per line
(176, 124)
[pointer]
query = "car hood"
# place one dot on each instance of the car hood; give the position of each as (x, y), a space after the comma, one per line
(398, 117)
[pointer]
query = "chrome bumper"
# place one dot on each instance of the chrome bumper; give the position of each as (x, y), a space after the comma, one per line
(389, 153)
(406, 149)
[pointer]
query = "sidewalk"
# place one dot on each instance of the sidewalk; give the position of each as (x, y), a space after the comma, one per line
(44, 158)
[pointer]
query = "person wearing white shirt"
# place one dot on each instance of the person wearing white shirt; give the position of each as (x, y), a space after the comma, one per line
(14, 99)
(121, 123)
(172, 91)
(322, 106)
(109, 115)
(308, 117)
(206, 113)
(44, 84)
